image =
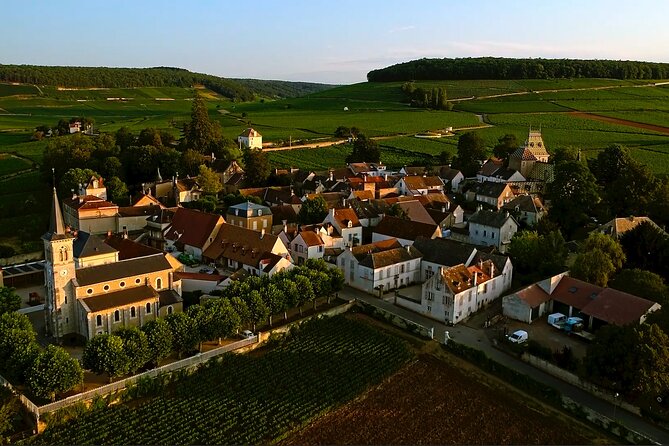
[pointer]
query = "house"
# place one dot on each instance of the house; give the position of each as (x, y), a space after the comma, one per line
(250, 216)
(494, 171)
(526, 209)
(259, 253)
(174, 191)
(95, 187)
(380, 266)
(250, 139)
(405, 231)
(416, 212)
(617, 227)
(283, 216)
(274, 196)
(370, 169)
(447, 219)
(440, 252)
(95, 293)
(492, 194)
(307, 245)
(192, 231)
(346, 223)
(490, 228)
(369, 212)
(598, 306)
(202, 282)
(451, 177)
(488, 168)
(90, 213)
(415, 185)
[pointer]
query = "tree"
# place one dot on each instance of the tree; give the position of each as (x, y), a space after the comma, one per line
(256, 167)
(65, 153)
(191, 160)
(110, 167)
(117, 191)
(274, 299)
(135, 346)
(209, 181)
(342, 132)
(642, 283)
(313, 210)
(505, 146)
(600, 256)
(159, 339)
(563, 154)
(471, 150)
(149, 137)
(200, 132)
(18, 347)
(573, 195)
(647, 247)
(610, 163)
(365, 150)
(242, 310)
(257, 308)
(73, 178)
(395, 210)
(54, 371)
(141, 163)
(125, 138)
(185, 336)
(9, 300)
(104, 353)
(306, 290)
(445, 157)
(226, 319)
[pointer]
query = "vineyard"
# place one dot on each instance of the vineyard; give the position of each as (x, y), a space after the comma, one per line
(249, 399)
(432, 402)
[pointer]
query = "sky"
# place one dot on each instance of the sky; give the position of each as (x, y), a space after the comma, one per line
(335, 41)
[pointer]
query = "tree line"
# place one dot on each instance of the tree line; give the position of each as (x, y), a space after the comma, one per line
(508, 68)
(243, 303)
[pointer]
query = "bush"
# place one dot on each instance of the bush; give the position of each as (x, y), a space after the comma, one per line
(536, 349)
(6, 251)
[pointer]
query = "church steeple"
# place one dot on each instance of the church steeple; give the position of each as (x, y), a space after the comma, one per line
(56, 223)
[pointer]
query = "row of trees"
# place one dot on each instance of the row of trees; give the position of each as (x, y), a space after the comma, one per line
(506, 68)
(47, 371)
(435, 98)
(244, 303)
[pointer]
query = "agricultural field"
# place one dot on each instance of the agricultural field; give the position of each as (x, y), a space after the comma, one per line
(249, 399)
(430, 401)
(10, 164)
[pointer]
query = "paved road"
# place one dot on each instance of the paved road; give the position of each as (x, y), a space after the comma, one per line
(478, 339)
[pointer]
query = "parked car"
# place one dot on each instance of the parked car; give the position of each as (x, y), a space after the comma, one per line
(204, 271)
(518, 337)
(247, 334)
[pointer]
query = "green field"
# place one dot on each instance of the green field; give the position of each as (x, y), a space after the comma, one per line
(249, 399)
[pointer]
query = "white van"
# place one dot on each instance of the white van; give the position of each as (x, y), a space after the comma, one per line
(518, 337)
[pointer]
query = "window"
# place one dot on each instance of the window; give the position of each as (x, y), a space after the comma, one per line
(264, 223)
(138, 281)
(492, 235)
(469, 296)
(122, 284)
(402, 268)
(133, 312)
(476, 232)
(67, 320)
(159, 283)
(148, 308)
(65, 298)
(117, 316)
(255, 225)
(429, 308)
(170, 310)
(484, 233)
(98, 321)
(106, 287)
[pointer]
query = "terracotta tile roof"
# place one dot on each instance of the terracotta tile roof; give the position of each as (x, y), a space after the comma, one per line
(192, 227)
(420, 182)
(618, 308)
(121, 298)
(619, 226)
(241, 244)
(381, 259)
(311, 238)
(416, 212)
(359, 252)
(180, 275)
(344, 215)
(404, 229)
(457, 278)
(129, 249)
(363, 194)
(575, 293)
(88, 202)
(250, 133)
(533, 295)
(122, 269)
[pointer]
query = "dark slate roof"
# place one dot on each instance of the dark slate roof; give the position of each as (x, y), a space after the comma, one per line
(129, 249)
(121, 269)
(120, 298)
(390, 257)
(444, 251)
(87, 245)
(248, 209)
(525, 203)
(505, 173)
(490, 218)
(404, 229)
(498, 260)
(284, 212)
(490, 189)
(447, 172)
(169, 297)
(56, 224)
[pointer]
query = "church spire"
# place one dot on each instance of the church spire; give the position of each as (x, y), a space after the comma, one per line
(56, 223)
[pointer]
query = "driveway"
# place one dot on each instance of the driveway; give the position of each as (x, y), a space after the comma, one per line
(477, 338)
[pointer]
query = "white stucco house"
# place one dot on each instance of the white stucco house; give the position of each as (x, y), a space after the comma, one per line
(380, 266)
(346, 223)
(490, 228)
(250, 138)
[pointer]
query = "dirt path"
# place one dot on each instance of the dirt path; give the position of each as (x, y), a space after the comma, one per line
(618, 121)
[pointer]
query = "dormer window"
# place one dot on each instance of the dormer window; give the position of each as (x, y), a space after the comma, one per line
(259, 212)
(350, 224)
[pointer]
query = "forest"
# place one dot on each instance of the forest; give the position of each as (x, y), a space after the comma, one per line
(105, 77)
(474, 68)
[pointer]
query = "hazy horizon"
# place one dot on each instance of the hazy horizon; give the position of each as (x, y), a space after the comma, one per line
(319, 42)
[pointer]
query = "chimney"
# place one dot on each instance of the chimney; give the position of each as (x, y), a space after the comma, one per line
(74, 195)
(109, 233)
(343, 202)
(408, 247)
(506, 214)
(476, 275)
(492, 269)
(331, 176)
(385, 177)
(443, 209)
(364, 178)
(285, 225)
(332, 212)
(262, 233)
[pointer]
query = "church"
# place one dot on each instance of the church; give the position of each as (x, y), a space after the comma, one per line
(92, 290)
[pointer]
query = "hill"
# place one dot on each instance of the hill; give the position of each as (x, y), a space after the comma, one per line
(507, 68)
(105, 77)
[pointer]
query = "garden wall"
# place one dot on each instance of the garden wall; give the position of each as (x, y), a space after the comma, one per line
(396, 320)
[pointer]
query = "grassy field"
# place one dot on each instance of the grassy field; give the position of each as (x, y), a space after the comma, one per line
(249, 399)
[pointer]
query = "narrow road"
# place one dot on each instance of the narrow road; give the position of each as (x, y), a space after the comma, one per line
(477, 339)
